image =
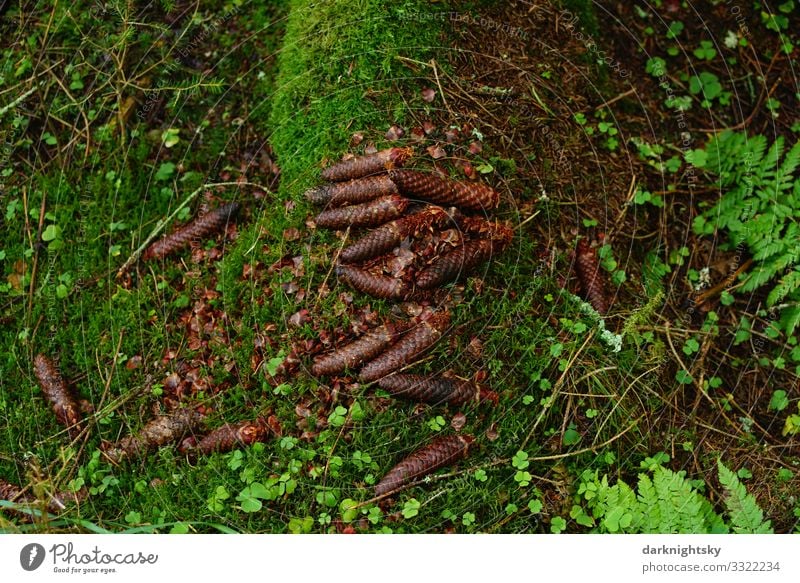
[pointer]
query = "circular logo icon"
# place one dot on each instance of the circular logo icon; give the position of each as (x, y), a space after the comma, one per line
(31, 556)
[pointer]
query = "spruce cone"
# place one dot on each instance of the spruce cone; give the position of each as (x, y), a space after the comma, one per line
(377, 286)
(10, 492)
(433, 390)
(230, 436)
(414, 343)
(391, 234)
(160, 431)
(356, 353)
(366, 165)
(441, 452)
(589, 274)
(199, 228)
(368, 214)
(444, 191)
(64, 402)
(353, 191)
(451, 265)
(479, 228)
(55, 503)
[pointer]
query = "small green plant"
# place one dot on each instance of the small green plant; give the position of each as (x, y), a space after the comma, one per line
(792, 425)
(411, 508)
(759, 210)
(666, 502)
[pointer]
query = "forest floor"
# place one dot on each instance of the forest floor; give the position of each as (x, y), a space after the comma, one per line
(127, 114)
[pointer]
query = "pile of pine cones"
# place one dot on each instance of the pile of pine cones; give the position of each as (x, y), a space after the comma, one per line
(421, 240)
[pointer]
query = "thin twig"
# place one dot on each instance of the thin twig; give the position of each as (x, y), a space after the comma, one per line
(441, 91)
(164, 222)
(5, 109)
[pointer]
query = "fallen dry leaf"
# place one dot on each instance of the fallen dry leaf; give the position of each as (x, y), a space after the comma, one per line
(458, 421)
(395, 133)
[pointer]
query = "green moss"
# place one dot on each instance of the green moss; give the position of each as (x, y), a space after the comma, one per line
(339, 71)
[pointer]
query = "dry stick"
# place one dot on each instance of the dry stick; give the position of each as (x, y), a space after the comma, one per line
(441, 91)
(36, 252)
(164, 222)
(528, 220)
(556, 389)
(6, 108)
(630, 91)
(710, 293)
(628, 201)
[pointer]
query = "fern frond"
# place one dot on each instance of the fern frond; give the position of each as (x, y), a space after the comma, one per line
(790, 163)
(787, 284)
(679, 504)
(790, 318)
(760, 207)
(745, 515)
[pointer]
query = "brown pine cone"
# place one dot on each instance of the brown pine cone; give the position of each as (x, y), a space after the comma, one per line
(428, 389)
(9, 491)
(479, 228)
(356, 353)
(198, 229)
(377, 286)
(588, 268)
(368, 214)
(413, 344)
(352, 191)
(441, 452)
(160, 431)
(230, 436)
(366, 165)
(451, 265)
(390, 235)
(473, 196)
(63, 400)
(55, 503)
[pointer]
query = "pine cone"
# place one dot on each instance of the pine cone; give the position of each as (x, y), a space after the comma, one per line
(199, 228)
(356, 353)
(368, 214)
(441, 452)
(12, 493)
(366, 165)
(160, 431)
(377, 286)
(433, 390)
(353, 191)
(473, 196)
(414, 343)
(451, 265)
(230, 436)
(390, 235)
(63, 400)
(55, 503)
(589, 274)
(479, 228)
